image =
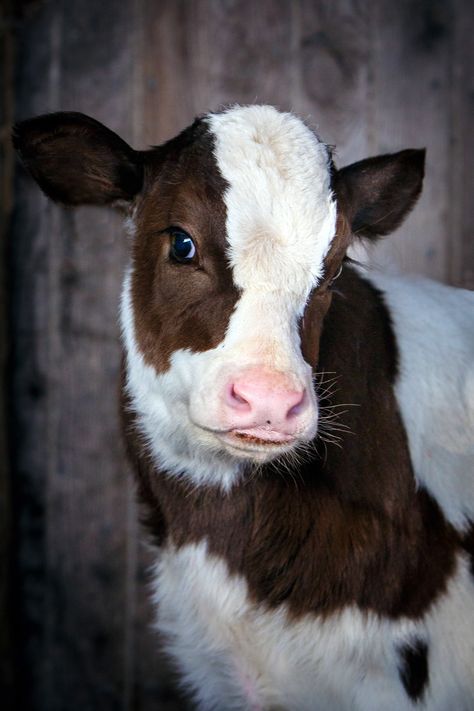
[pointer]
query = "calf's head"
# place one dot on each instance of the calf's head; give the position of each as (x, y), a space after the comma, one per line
(239, 226)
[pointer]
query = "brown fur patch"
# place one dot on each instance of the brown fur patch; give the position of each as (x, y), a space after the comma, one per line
(317, 307)
(349, 528)
(414, 669)
(179, 306)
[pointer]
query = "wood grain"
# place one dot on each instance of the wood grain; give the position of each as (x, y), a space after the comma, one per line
(70, 467)
(372, 77)
(411, 69)
(460, 233)
(7, 675)
(334, 64)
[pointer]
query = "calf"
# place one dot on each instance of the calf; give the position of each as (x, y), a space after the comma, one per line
(301, 428)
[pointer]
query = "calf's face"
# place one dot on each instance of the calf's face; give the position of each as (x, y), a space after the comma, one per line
(239, 225)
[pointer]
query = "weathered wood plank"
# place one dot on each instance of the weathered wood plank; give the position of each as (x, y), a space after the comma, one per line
(6, 512)
(197, 56)
(29, 302)
(70, 459)
(411, 61)
(460, 234)
(334, 50)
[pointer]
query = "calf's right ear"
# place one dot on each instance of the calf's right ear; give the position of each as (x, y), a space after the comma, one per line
(378, 193)
(76, 160)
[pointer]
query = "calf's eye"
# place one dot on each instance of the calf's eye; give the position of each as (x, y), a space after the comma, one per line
(182, 247)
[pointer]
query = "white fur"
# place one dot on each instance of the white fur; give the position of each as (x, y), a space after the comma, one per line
(280, 222)
(434, 326)
(281, 218)
(234, 654)
(161, 404)
(281, 213)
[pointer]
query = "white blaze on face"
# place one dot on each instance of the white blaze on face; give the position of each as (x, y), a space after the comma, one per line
(281, 214)
(281, 218)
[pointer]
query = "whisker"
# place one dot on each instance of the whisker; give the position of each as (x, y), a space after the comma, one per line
(331, 428)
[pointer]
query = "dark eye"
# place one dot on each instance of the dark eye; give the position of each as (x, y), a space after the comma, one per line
(182, 247)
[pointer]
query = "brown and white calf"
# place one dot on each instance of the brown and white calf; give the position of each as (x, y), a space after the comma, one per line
(341, 578)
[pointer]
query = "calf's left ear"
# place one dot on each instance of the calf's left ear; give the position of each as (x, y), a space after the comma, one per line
(377, 194)
(76, 160)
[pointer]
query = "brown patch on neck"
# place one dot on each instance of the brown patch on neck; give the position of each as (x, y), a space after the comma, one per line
(338, 248)
(320, 300)
(312, 324)
(181, 306)
(347, 529)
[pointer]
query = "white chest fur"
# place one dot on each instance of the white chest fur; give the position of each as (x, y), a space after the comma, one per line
(233, 654)
(434, 327)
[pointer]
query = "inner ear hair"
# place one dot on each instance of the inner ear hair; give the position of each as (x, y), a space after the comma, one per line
(377, 194)
(77, 160)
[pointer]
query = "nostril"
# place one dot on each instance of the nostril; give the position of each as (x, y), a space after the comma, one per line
(237, 396)
(299, 406)
(236, 399)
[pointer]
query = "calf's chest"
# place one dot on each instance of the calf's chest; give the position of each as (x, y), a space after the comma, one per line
(236, 654)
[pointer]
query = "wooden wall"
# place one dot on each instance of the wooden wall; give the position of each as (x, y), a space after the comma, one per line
(372, 76)
(6, 189)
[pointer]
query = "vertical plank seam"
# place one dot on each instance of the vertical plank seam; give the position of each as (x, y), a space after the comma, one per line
(8, 674)
(296, 90)
(370, 133)
(53, 362)
(453, 214)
